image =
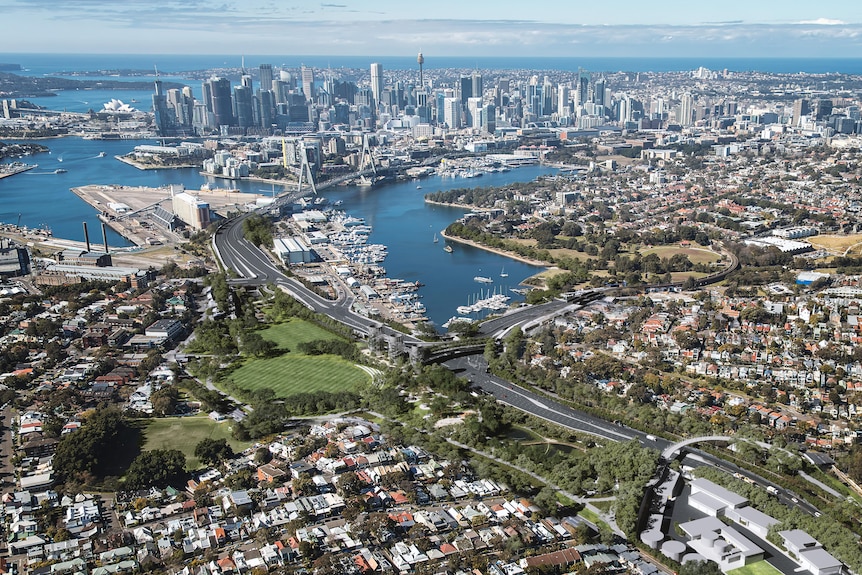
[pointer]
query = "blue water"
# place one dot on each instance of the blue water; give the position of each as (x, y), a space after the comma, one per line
(170, 65)
(397, 212)
(403, 221)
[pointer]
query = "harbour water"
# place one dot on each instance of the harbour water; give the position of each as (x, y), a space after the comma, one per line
(398, 213)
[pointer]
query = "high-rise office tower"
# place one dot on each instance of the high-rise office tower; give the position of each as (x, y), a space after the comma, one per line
(476, 85)
(161, 116)
(266, 77)
(599, 92)
(686, 108)
(563, 108)
(583, 87)
(488, 120)
(452, 113)
(222, 107)
(466, 87)
(267, 108)
(243, 104)
(822, 108)
(207, 100)
(307, 82)
(474, 107)
(376, 81)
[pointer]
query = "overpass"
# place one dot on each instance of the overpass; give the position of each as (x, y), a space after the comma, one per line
(674, 450)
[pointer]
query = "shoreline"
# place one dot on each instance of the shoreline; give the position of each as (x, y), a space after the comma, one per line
(17, 171)
(499, 252)
(459, 206)
(144, 167)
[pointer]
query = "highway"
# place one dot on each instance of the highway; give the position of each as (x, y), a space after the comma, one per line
(255, 268)
(474, 369)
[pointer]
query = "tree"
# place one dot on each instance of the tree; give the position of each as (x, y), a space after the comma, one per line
(213, 451)
(165, 400)
(157, 468)
(700, 568)
(102, 445)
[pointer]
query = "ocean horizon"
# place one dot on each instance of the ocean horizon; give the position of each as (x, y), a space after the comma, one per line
(171, 64)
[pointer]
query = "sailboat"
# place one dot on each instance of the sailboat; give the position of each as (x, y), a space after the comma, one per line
(503, 273)
(435, 239)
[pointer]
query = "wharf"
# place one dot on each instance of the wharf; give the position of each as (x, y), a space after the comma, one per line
(129, 210)
(9, 170)
(145, 167)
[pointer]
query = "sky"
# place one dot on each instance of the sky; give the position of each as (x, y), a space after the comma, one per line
(620, 28)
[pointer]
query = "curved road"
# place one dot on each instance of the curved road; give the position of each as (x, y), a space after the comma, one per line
(255, 268)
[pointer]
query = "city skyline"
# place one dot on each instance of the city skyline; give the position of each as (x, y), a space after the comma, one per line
(549, 28)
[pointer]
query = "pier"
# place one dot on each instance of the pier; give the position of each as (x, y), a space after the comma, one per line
(9, 170)
(129, 210)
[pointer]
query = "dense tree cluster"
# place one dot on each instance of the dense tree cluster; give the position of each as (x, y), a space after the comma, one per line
(157, 468)
(213, 451)
(101, 447)
(345, 349)
(258, 230)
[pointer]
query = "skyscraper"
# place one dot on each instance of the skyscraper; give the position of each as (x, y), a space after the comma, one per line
(163, 120)
(307, 82)
(222, 107)
(376, 81)
(686, 107)
(800, 108)
(265, 77)
(599, 92)
(583, 87)
(466, 85)
(476, 88)
(452, 113)
(242, 101)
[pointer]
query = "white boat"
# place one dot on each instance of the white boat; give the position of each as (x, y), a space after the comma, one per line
(483, 280)
(503, 273)
(448, 249)
(435, 239)
(102, 154)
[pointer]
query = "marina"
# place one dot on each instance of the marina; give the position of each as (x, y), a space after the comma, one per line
(386, 215)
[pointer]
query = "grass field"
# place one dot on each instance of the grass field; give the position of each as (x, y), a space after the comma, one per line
(695, 255)
(838, 245)
(184, 433)
(294, 372)
(759, 568)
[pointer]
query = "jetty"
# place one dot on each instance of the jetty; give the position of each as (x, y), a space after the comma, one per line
(9, 170)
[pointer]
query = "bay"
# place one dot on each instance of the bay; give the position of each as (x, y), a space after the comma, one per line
(403, 221)
(397, 211)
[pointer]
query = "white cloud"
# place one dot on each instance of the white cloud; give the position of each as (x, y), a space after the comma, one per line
(825, 22)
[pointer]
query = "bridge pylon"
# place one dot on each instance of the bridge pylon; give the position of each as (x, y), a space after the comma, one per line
(366, 158)
(305, 171)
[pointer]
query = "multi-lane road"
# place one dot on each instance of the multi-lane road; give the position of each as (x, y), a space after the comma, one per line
(255, 268)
